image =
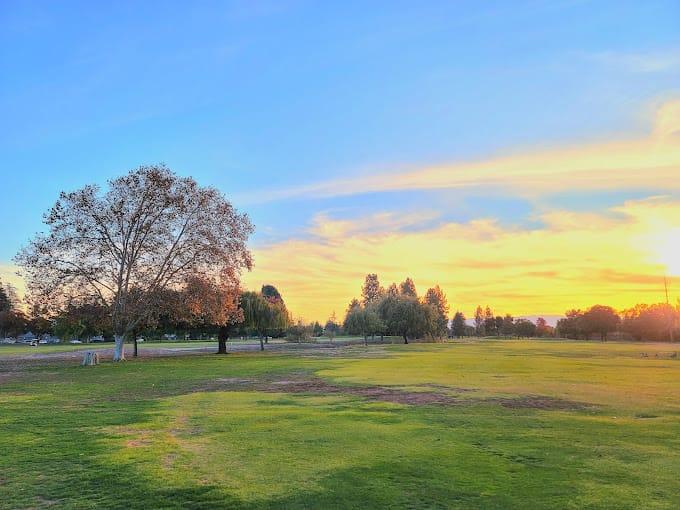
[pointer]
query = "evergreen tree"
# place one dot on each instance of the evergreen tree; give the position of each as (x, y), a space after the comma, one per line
(436, 298)
(489, 322)
(458, 325)
(479, 321)
(408, 288)
(371, 292)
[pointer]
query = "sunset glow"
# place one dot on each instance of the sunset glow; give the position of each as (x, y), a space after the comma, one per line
(669, 251)
(561, 258)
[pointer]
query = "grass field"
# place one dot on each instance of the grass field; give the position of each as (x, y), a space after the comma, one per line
(486, 424)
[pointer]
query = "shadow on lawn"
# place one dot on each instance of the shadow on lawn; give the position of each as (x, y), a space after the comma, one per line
(51, 470)
(54, 457)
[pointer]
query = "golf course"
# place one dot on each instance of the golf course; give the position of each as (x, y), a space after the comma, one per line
(461, 424)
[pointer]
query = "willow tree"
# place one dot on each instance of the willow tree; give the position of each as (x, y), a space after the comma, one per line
(150, 231)
(256, 314)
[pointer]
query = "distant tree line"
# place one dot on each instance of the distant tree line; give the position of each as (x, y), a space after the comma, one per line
(655, 322)
(397, 310)
(204, 310)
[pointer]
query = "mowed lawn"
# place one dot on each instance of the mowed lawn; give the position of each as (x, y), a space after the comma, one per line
(485, 424)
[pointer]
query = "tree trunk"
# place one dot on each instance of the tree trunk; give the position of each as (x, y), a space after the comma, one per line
(90, 358)
(366, 340)
(405, 339)
(261, 343)
(222, 338)
(119, 348)
(134, 354)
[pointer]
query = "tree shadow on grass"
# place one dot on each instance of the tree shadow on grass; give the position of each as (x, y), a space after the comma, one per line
(54, 457)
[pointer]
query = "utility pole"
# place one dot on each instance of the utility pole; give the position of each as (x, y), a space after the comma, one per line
(670, 316)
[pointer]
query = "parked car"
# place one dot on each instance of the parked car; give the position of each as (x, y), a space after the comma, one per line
(27, 338)
(98, 338)
(140, 339)
(74, 341)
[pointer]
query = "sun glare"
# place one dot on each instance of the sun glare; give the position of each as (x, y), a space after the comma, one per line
(669, 252)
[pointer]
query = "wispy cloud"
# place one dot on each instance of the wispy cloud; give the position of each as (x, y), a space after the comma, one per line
(328, 228)
(649, 163)
(649, 62)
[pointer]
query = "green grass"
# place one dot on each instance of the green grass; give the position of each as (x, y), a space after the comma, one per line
(157, 434)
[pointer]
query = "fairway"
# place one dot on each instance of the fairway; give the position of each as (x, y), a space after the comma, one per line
(478, 424)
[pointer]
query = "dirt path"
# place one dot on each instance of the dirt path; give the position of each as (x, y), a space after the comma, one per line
(148, 351)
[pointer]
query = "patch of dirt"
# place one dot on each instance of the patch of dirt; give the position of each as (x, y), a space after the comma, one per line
(660, 355)
(450, 389)
(137, 443)
(318, 386)
(378, 393)
(233, 380)
(445, 396)
(539, 402)
(44, 502)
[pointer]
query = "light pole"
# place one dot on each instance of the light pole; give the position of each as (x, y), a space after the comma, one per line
(670, 315)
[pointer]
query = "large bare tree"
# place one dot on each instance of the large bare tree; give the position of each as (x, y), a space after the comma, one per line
(150, 231)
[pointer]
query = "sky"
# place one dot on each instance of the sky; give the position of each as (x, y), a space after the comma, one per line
(524, 155)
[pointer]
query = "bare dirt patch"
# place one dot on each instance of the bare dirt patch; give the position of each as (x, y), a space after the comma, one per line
(378, 393)
(440, 395)
(540, 402)
(137, 443)
(318, 386)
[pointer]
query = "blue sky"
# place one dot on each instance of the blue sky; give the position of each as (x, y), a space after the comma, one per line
(254, 97)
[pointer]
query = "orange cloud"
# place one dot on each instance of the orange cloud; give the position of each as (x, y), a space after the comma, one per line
(573, 260)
